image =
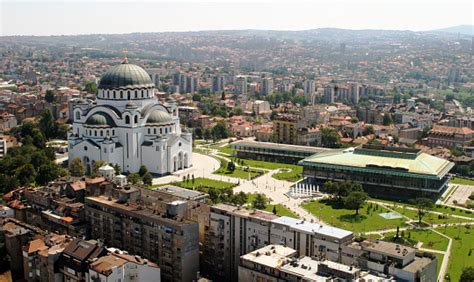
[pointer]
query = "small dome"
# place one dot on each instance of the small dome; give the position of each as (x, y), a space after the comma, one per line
(125, 75)
(159, 117)
(100, 119)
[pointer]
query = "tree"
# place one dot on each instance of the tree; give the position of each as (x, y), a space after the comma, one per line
(330, 138)
(387, 119)
(467, 274)
(134, 178)
(207, 134)
(49, 96)
(47, 172)
(240, 198)
(260, 202)
(197, 133)
(219, 131)
(47, 124)
(369, 130)
(274, 209)
(422, 205)
(147, 178)
(91, 87)
(118, 169)
(26, 174)
(355, 200)
(96, 165)
(143, 170)
(231, 166)
(196, 97)
(76, 167)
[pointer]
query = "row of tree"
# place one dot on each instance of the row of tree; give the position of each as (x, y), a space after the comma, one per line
(33, 162)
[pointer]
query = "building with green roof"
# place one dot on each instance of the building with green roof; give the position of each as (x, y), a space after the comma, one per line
(391, 172)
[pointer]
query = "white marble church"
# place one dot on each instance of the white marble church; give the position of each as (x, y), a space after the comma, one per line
(128, 126)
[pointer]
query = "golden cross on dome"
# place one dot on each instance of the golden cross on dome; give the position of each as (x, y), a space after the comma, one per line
(125, 53)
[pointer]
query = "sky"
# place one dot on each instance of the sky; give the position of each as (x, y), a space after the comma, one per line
(39, 17)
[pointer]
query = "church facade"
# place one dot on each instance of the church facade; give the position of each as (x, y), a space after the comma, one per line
(128, 126)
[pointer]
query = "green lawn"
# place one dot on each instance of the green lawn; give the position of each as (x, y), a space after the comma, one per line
(239, 172)
(463, 181)
(430, 239)
(281, 210)
(462, 252)
(429, 217)
(367, 220)
(437, 208)
(225, 149)
(293, 175)
(204, 182)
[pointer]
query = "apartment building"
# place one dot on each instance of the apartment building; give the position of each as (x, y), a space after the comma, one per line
(275, 263)
(166, 238)
(235, 231)
(447, 136)
(285, 127)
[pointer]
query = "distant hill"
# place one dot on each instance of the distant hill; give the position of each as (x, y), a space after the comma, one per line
(463, 29)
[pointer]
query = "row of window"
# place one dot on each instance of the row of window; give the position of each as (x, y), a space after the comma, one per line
(166, 130)
(128, 94)
(99, 132)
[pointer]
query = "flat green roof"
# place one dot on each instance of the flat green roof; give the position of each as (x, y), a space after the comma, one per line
(352, 158)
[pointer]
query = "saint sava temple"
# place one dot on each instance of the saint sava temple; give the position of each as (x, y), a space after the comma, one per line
(128, 126)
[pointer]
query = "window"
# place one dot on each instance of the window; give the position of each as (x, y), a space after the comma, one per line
(127, 119)
(161, 130)
(85, 148)
(135, 120)
(128, 94)
(149, 131)
(121, 94)
(101, 133)
(95, 132)
(78, 115)
(113, 132)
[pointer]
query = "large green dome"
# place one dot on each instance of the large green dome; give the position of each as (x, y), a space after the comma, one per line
(159, 116)
(100, 119)
(125, 75)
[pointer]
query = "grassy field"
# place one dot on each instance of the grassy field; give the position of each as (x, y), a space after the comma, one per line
(204, 182)
(367, 220)
(430, 218)
(463, 181)
(239, 172)
(462, 252)
(225, 149)
(437, 208)
(281, 211)
(293, 175)
(429, 238)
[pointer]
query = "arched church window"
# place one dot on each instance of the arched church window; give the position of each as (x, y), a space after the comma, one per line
(135, 119)
(78, 115)
(128, 95)
(149, 131)
(127, 119)
(121, 94)
(113, 131)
